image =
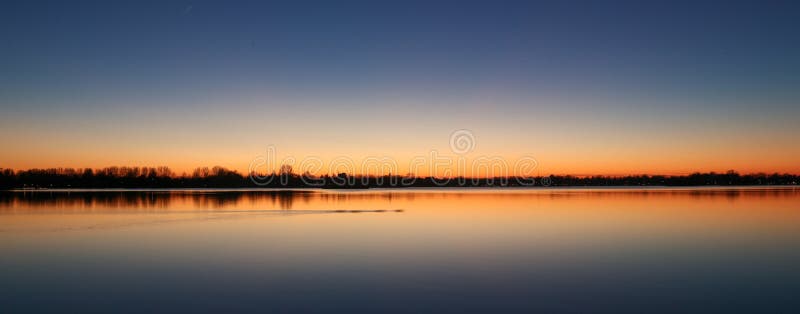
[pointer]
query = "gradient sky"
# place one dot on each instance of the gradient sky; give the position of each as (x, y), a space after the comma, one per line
(611, 87)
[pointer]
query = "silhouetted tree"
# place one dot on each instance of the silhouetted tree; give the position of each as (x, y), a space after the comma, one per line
(220, 177)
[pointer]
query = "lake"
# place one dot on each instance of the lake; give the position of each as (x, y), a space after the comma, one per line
(406, 250)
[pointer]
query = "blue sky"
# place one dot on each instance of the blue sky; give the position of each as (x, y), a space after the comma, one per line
(161, 74)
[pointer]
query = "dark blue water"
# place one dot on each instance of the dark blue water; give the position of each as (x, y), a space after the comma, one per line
(406, 251)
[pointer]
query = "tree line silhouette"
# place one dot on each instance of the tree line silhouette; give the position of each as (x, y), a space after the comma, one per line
(220, 177)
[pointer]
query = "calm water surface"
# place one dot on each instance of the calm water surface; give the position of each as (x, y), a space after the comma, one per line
(479, 250)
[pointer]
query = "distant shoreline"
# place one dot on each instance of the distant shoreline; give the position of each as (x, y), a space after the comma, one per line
(221, 178)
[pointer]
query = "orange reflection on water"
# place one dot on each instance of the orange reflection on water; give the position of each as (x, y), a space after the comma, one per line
(575, 211)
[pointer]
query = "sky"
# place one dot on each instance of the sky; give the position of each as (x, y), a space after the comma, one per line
(595, 87)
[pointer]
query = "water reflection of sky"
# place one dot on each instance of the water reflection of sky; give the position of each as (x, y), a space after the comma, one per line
(402, 251)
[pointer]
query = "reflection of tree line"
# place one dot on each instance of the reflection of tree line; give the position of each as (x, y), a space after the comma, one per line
(156, 201)
(218, 177)
(160, 201)
(148, 200)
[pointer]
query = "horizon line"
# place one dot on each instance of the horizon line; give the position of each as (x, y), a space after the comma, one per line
(277, 172)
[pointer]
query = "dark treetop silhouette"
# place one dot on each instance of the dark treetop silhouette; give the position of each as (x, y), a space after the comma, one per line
(219, 177)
